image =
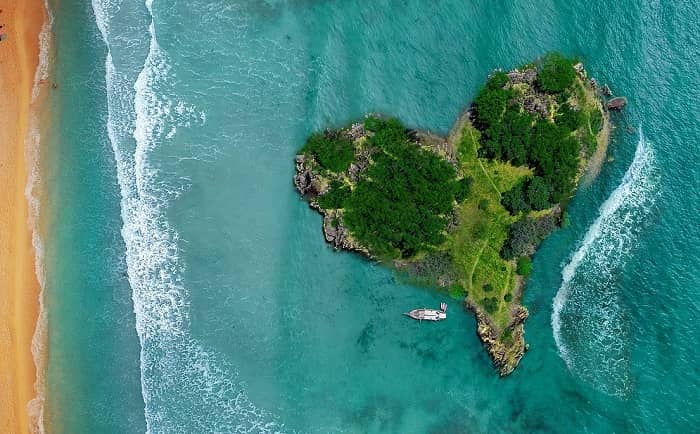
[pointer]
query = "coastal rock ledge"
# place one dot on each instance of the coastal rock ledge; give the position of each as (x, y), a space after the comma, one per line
(504, 355)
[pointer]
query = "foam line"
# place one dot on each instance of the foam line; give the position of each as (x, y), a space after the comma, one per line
(182, 384)
(588, 278)
(36, 405)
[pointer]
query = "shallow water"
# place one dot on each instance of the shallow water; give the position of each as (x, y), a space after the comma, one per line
(189, 287)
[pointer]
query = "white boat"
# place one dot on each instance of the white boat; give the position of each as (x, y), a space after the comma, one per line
(429, 314)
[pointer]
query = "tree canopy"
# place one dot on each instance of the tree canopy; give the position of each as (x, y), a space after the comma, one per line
(510, 133)
(398, 207)
(332, 150)
(556, 73)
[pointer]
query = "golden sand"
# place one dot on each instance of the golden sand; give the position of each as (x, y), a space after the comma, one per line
(21, 22)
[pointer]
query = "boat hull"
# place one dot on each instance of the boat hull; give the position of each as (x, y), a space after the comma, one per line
(427, 314)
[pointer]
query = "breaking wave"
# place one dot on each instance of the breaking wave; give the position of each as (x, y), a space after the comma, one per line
(589, 321)
(185, 388)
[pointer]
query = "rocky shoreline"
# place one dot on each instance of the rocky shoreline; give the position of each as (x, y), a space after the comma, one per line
(504, 355)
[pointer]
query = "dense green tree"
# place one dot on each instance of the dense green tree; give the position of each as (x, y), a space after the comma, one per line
(556, 73)
(332, 150)
(538, 193)
(554, 152)
(568, 118)
(514, 200)
(515, 135)
(526, 233)
(490, 103)
(398, 207)
(335, 197)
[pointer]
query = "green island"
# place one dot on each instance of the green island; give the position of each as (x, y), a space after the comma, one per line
(466, 212)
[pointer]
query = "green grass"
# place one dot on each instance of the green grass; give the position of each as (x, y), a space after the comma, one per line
(586, 100)
(476, 243)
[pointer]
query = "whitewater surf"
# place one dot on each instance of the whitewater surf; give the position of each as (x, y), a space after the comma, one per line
(589, 320)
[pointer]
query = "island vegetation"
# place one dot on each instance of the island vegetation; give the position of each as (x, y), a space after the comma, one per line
(466, 212)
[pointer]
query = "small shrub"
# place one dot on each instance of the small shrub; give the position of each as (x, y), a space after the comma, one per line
(507, 336)
(433, 267)
(508, 297)
(483, 204)
(464, 188)
(488, 287)
(490, 304)
(527, 233)
(457, 292)
(524, 266)
(590, 142)
(596, 121)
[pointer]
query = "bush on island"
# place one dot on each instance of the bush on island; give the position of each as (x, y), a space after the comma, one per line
(490, 304)
(524, 266)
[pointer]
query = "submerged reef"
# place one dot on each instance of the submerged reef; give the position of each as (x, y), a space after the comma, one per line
(466, 212)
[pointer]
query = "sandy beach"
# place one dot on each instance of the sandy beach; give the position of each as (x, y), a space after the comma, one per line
(21, 22)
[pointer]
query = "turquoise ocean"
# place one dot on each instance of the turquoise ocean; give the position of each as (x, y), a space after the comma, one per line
(189, 289)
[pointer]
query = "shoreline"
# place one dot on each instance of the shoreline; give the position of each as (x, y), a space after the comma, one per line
(21, 334)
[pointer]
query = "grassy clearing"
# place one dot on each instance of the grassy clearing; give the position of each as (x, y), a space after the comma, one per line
(483, 228)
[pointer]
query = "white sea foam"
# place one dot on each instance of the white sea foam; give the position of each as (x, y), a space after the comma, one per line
(588, 318)
(35, 406)
(184, 387)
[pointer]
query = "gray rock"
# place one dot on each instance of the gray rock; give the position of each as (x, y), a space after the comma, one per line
(617, 103)
(302, 181)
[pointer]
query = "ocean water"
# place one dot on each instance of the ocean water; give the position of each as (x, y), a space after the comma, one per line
(189, 288)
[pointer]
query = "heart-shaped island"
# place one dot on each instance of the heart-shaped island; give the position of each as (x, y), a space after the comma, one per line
(466, 212)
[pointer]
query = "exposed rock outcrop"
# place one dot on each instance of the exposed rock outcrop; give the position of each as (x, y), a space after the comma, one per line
(527, 76)
(507, 347)
(311, 186)
(617, 103)
(338, 235)
(302, 177)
